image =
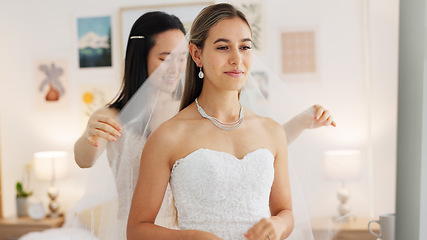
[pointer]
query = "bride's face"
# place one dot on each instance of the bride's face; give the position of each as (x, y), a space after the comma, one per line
(226, 55)
(165, 55)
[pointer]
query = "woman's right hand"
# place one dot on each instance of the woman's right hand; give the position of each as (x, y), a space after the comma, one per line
(102, 126)
(316, 116)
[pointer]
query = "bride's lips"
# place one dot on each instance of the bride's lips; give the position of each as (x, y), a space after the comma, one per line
(234, 73)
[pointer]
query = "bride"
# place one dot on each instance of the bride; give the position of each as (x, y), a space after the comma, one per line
(227, 166)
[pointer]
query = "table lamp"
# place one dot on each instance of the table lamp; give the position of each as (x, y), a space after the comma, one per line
(51, 166)
(343, 166)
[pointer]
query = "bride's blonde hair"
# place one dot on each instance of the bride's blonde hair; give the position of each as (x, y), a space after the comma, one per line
(204, 21)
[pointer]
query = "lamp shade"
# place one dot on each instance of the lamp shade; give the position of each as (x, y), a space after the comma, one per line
(50, 165)
(342, 165)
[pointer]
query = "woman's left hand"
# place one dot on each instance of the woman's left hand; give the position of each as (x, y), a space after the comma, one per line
(263, 230)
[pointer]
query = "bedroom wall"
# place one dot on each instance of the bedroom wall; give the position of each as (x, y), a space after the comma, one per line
(356, 81)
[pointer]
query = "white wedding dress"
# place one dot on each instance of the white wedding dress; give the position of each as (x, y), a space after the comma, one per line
(219, 193)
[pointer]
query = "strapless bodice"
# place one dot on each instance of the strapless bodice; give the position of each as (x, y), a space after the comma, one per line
(219, 193)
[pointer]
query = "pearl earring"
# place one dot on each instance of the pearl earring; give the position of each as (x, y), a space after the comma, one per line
(201, 74)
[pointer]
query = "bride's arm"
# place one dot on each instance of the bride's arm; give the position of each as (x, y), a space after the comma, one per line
(154, 174)
(313, 117)
(281, 222)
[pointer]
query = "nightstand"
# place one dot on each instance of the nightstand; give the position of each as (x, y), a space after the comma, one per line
(13, 228)
(356, 230)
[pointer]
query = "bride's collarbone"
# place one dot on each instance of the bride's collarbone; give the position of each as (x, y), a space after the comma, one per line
(205, 135)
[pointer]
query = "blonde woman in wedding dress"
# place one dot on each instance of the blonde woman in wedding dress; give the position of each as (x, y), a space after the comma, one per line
(226, 165)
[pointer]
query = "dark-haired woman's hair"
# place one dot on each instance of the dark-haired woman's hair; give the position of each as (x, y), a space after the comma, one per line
(204, 21)
(135, 69)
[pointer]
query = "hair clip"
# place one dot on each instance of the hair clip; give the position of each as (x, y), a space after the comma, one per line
(134, 37)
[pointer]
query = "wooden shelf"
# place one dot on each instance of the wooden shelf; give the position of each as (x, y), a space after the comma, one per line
(13, 228)
(355, 230)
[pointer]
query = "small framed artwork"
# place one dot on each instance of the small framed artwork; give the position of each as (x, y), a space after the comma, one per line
(186, 12)
(94, 41)
(93, 97)
(299, 54)
(52, 84)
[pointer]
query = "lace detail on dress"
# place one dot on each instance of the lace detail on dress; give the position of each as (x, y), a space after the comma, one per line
(175, 165)
(219, 193)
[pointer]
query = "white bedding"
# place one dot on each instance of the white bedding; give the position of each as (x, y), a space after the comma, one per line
(63, 233)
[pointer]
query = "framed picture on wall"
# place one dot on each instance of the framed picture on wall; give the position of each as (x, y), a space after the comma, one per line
(186, 12)
(94, 96)
(52, 84)
(299, 54)
(94, 41)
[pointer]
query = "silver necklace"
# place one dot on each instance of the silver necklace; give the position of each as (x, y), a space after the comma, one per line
(218, 123)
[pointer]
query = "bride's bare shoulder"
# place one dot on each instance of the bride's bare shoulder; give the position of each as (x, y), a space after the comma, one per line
(174, 128)
(268, 124)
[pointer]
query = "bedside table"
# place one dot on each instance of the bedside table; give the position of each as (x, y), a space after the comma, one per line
(13, 228)
(356, 230)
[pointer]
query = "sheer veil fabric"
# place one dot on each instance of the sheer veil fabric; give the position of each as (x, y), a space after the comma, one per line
(108, 196)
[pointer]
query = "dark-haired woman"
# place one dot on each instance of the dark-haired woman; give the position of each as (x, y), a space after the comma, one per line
(152, 38)
(151, 42)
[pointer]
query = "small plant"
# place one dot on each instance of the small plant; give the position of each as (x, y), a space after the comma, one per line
(20, 192)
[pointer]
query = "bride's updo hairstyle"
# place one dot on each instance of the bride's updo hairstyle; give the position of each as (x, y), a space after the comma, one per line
(204, 21)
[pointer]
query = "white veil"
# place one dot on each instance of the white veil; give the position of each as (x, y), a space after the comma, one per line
(108, 198)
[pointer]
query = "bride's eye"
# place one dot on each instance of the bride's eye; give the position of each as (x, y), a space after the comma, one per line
(222, 48)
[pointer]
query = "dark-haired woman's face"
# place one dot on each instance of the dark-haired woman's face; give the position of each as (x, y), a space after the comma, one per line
(163, 52)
